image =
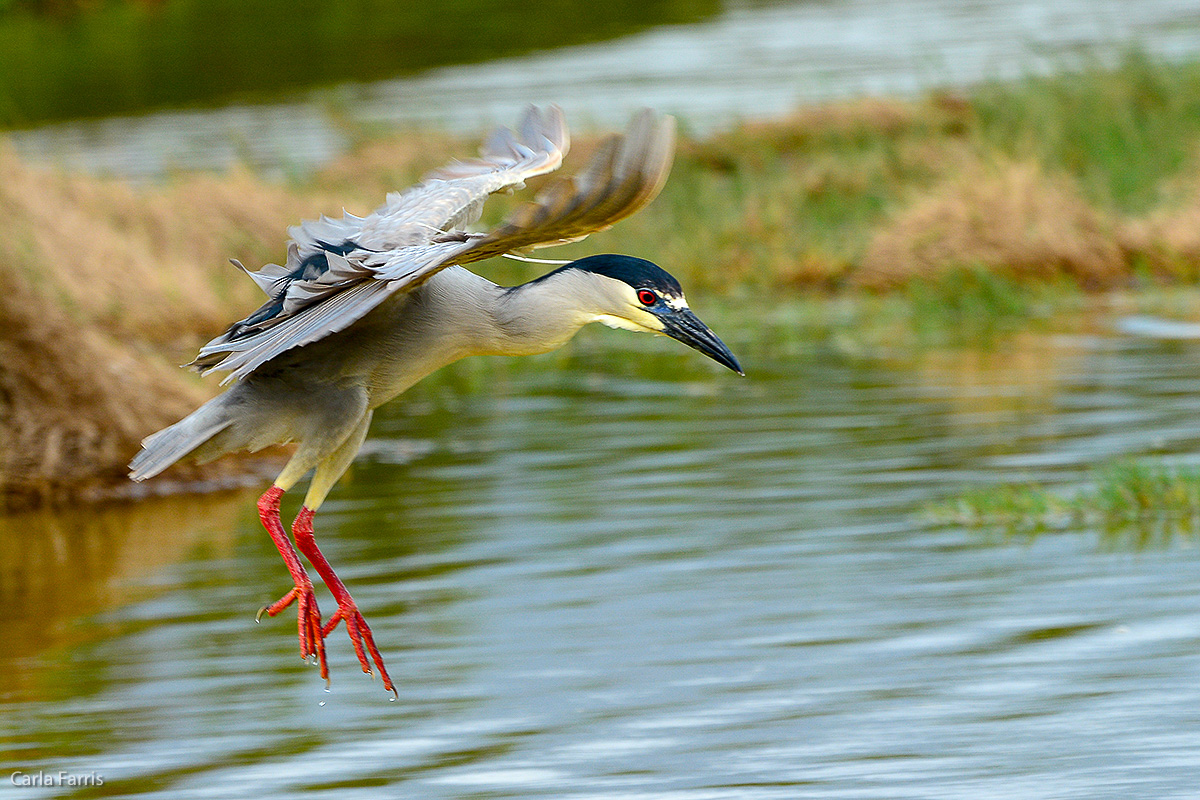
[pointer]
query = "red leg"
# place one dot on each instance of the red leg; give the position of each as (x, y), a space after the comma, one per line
(308, 617)
(356, 626)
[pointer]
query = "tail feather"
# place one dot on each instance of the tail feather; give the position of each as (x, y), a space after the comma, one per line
(161, 450)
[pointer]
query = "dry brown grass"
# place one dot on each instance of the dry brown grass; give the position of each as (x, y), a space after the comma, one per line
(107, 286)
(90, 244)
(101, 280)
(73, 403)
(1010, 218)
(1166, 241)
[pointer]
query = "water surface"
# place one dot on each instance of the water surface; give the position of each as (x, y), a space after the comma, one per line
(635, 577)
(751, 60)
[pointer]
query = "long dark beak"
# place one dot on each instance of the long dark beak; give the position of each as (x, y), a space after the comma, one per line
(686, 327)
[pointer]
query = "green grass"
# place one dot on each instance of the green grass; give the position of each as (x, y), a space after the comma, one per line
(796, 205)
(1120, 132)
(1135, 502)
(976, 305)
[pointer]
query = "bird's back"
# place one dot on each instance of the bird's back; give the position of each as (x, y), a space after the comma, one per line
(401, 341)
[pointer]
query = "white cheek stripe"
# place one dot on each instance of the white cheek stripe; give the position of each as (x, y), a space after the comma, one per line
(628, 325)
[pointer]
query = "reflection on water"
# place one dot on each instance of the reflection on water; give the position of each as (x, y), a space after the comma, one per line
(63, 571)
(640, 577)
(753, 60)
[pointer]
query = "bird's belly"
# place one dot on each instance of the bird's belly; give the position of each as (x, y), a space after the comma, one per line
(405, 338)
(405, 358)
(390, 380)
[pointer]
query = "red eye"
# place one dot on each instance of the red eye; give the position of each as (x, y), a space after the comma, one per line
(647, 297)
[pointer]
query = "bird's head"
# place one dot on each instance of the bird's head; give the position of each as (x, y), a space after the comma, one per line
(638, 295)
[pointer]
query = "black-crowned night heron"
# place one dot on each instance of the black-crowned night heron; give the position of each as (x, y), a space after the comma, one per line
(366, 307)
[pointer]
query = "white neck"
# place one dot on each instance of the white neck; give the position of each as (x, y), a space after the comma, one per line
(544, 314)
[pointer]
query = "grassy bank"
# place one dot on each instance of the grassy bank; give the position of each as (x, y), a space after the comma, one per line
(1091, 176)
(968, 206)
(106, 289)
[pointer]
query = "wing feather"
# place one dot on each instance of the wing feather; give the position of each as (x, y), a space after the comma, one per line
(243, 355)
(357, 262)
(624, 175)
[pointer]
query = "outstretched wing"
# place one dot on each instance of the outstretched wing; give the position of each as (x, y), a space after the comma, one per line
(338, 270)
(626, 172)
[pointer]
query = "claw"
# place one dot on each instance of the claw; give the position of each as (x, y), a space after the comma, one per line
(356, 626)
(310, 632)
(360, 636)
(308, 623)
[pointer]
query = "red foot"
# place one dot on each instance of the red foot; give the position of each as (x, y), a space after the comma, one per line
(308, 617)
(360, 637)
(308, 623)
(356, 626)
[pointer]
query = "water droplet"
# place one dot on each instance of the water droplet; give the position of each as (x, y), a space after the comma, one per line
(392, 699)
(322, 703)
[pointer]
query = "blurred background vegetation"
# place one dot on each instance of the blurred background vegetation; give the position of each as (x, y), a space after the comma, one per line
(64, 59)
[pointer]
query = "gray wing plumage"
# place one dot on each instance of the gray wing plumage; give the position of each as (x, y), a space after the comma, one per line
(337, 270)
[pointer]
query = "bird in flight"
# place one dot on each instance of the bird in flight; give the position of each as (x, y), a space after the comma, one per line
(365, 307)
